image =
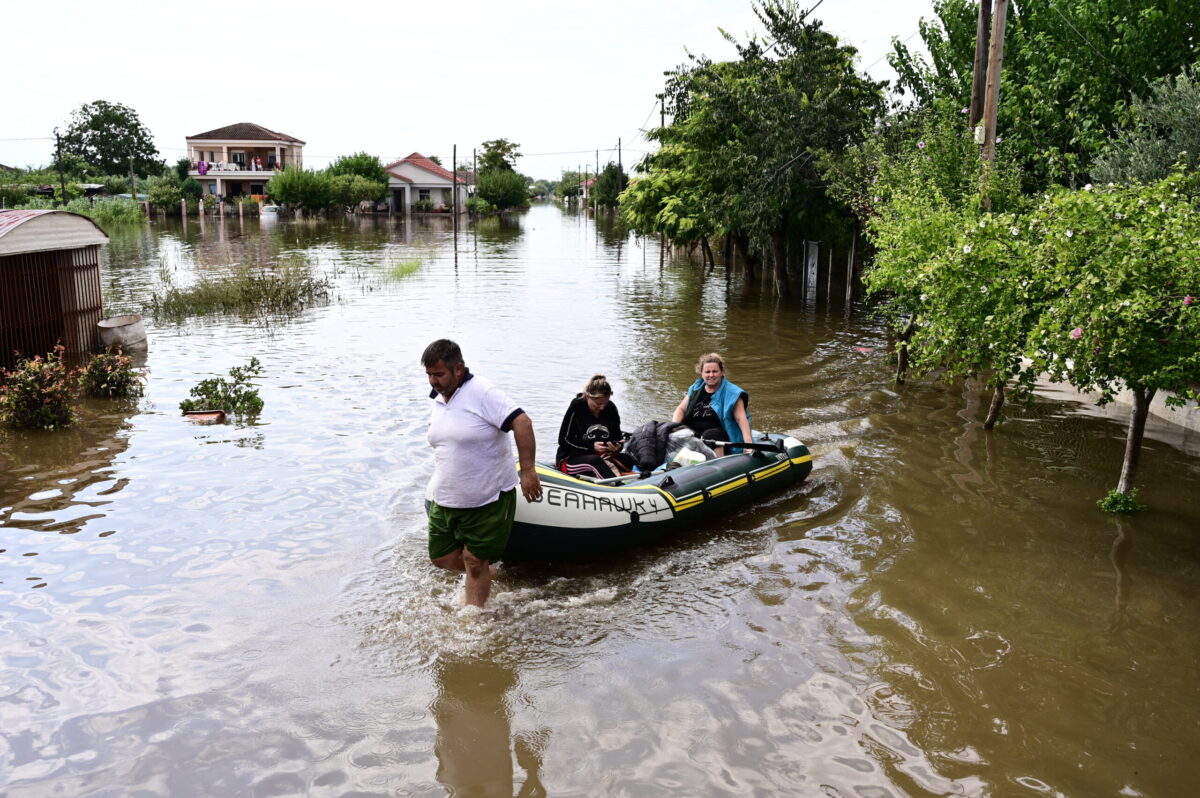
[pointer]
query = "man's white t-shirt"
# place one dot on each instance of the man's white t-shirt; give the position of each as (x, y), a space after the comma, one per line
(472, 456)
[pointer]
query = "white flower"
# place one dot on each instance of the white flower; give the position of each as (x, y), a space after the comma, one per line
(1119, 215)
(1088, 187)
(1069, 234)
(924, 297)
(983, 289)
(966, 249)
(983, 222)
(1014, 231)
(1126, 303)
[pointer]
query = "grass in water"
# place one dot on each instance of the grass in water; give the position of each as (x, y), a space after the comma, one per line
(404, 268)
(284, 289)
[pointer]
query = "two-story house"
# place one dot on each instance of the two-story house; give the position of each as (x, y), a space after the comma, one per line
(238, 160)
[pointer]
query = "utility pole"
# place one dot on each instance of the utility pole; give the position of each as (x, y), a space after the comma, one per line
(620, 168)
(62, 180)
(991, 103)
(454, 189)
(991, 100)
(979, 77)
(132, 179)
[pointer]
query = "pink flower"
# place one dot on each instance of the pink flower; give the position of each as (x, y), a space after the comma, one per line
(1076, 334)
(920, 145)
(1187, 300)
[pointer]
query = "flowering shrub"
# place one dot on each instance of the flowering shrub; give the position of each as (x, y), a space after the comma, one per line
(236, 396)
(111, 376)
(39, 393)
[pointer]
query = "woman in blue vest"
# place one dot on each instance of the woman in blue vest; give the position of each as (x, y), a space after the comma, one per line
(714, 407)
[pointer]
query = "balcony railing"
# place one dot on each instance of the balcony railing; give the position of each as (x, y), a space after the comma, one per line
(233, 166)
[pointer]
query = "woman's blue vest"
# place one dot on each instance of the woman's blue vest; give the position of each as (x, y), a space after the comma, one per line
(722, 402)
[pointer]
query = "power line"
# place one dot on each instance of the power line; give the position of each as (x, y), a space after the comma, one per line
(885, 55)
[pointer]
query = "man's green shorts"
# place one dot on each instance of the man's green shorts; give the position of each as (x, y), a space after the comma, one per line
(483, 530)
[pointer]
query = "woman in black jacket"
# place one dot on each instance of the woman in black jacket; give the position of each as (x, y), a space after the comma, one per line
(589, 440)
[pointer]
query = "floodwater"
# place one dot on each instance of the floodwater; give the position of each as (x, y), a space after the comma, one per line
(247, 609)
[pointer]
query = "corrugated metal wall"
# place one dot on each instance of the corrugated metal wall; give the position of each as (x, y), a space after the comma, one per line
(47, 297)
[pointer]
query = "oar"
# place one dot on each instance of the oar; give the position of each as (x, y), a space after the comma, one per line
(772, 446)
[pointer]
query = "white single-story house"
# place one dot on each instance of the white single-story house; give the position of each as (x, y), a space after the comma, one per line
(417, 178)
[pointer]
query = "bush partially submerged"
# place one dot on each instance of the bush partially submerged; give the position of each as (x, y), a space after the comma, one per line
(248, 290)
(235, 396)
(1118, 502)
(111, 376)
(39, 393)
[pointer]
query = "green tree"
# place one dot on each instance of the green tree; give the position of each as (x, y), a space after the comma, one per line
(1070, 69)
(1165, 130)
(499, 154)
(920, 198)
(667, 199)
(107, 136)
(348, 190)
(191, 188)
(503, 188)
(299, 187)
(363, 165)
(570, 184)
(163, 192)
(609, 184)
(751, 132)
(1120, 269)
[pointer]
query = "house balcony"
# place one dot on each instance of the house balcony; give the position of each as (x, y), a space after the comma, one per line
(235, 170)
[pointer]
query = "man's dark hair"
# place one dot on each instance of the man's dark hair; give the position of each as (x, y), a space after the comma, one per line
(442, 349)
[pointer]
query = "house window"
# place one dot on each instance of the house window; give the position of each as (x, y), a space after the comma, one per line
(422, 194)
(239, 157)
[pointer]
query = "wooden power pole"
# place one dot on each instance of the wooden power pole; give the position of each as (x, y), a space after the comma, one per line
(991, 103)
(991, 99)
(979, 76)
(62, 178)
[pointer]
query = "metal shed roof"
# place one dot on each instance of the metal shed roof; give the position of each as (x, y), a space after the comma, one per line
(44, 230)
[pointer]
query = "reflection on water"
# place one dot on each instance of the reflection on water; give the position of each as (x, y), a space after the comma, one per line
(247, 609)
(475, 746)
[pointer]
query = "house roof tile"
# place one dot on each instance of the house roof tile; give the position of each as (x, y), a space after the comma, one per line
(420, 161)
(246, 131)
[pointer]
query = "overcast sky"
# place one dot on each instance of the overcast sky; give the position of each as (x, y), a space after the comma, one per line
(562, 79)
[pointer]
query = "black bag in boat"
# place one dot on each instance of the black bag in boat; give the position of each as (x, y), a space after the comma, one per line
(648, 443)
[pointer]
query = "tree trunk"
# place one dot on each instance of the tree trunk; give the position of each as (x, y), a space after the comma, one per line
(709, 260)
(994, 411)
(902, 352)
(779, 250)
(743, 247)
(1133, 440)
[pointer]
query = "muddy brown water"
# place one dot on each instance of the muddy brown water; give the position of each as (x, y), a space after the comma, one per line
(247, 609)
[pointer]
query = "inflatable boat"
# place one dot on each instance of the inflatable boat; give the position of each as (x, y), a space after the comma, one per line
(581, 518)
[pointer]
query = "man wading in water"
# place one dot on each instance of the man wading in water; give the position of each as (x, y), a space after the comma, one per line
(472, 497)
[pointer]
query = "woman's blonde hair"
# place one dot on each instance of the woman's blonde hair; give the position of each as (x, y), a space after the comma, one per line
(711, 357)
(597, 386)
